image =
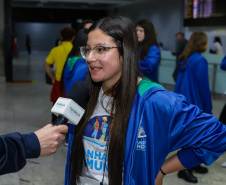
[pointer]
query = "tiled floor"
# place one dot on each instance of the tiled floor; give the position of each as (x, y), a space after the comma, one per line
(26, 108)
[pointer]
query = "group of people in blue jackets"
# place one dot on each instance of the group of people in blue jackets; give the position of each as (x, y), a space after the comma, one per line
(140, 139)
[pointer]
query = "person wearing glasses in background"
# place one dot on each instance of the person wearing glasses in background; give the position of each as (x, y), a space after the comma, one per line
(145, 122)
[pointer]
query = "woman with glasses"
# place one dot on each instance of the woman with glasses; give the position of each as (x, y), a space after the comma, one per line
(145, 122)
(149, 52)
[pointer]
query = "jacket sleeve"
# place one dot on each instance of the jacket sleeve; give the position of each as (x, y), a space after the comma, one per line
(200, 136)
(203, 84)
(151, 61)
(15, 148)
(223, 63)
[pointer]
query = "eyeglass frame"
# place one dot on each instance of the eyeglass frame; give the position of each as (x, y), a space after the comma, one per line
(83, 56)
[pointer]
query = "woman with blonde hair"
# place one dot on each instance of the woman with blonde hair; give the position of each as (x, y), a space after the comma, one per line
(193, 83)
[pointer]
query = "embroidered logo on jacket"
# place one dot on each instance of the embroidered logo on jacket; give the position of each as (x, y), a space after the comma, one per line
(141, 140)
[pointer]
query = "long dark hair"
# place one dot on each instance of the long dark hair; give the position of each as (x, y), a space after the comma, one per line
(149, 38)
(80, 40)
(218, 39)
(196, 43)
(123, 33)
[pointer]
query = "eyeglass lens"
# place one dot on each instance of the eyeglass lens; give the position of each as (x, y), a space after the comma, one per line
(98, 52)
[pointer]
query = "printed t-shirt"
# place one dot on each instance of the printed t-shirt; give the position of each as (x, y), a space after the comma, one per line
(96, 143)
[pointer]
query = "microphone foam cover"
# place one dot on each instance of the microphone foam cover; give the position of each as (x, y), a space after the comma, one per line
(79, 93)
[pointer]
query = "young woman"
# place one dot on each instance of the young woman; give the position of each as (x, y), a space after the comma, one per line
(193, 83)
(145, 121)
(216, 47)
(149, 52)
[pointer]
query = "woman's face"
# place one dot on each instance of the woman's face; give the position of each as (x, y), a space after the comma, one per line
(140, 33)
(108, 69)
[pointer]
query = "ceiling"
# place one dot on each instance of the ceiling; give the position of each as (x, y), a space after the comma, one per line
(73, 4)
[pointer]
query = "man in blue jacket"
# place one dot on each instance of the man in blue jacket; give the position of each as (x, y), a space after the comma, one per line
(15, 148)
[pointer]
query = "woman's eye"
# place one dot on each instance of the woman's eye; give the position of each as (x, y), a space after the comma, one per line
(100, 49)
(87, 50)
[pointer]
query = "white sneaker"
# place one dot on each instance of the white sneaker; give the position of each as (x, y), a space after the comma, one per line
(223, 165)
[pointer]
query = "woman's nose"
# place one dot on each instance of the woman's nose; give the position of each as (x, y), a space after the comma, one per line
(90, 56)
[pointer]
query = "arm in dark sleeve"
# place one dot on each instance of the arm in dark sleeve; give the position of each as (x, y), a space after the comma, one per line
(15, 148)
(223, 63)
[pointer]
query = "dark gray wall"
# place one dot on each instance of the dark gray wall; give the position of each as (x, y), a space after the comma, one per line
(43, 35)
(2, 66)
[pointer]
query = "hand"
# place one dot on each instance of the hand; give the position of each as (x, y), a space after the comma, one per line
(50, 137)
(159, 178)
(53, 80)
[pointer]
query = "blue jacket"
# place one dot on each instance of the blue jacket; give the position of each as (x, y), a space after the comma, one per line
(223, 63)
(75, 70)
(193, 82)
(150, 65)
(15, 149)
(161, 122)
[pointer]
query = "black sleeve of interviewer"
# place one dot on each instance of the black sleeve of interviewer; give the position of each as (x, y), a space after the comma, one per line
(15, 148)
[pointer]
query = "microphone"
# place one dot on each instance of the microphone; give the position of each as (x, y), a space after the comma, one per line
(69, 109)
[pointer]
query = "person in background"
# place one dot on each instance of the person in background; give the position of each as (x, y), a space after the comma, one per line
(216, 47)
(75, 69)
(15, 47)
(181, 43)
(57, 56)
(58, 41)
(15, 148)
(161, 46)
(28, 43)
(146, 121)
(149, 52)
(193, 83)
(223, 112)
(86, 23)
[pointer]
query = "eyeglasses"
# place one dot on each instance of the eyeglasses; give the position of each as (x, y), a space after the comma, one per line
(99, 52)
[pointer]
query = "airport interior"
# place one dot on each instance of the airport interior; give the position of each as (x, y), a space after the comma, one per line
(25, 95)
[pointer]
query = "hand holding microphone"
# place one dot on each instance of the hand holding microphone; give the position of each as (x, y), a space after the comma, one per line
(50, 137)
(70, 109)
(16, 147)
